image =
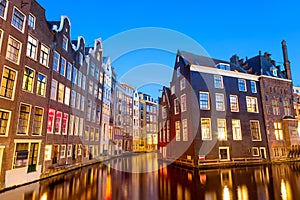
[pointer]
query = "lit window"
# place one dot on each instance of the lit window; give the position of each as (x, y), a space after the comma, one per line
(69, 152)
(80, 126)
(32, 47)
(278, 130)
(218, 81)
(222, 133)
(69, 71)
(13, 50)
(204, 100)
(220, 106)
(44, 55)
(242, 85)
(71, 125)
(37, 121)
(8, 83)
(236, 129)
(252, 104)
(275, 107)
(53, 89)
(48, 150)
(286, 106)
(41, 85)
(51, 117)
(18, 20)
(206, 129)
(234, 104)
(67, 95)
(31, 21)
(177, 128)
(255, 130)
(92, 134)
(28, 79)
(58, 121)
(3, 8)
(62, 151)
(65, 43)
(4, 122)
(253, 87)
(76, 124)
(176, 106)
(164, 112)
(61, 89)
(56, 58)
(86, 133)
(79, 150)
(184, 130)
(64, 127)
(182, 84)
(89, 110)
(255, 151)
(97, 135)
(224, 153)
(63, 65)
(183, 102)
(24, 117)
(21, 155)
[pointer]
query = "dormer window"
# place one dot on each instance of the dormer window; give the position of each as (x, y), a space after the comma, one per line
(223, 66)
(178, 71)
(274, 72)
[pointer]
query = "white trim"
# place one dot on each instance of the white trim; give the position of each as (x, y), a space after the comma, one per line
(5, 11)
(45, 91)
(61, 25)
(258, 153)
(8, 124)
(15, 82)
(30, 106)
(42, 120)
(24, 22)
(1, 38)
(19, 53)
(30, 14)
(215, 71)
(271, 77)
(228, 153)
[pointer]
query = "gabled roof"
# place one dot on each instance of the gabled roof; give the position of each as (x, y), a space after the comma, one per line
(194, 59)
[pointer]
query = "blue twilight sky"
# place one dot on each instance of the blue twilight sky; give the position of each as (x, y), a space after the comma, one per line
(222, 28)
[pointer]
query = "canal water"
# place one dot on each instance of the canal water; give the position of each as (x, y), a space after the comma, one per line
(106, 181)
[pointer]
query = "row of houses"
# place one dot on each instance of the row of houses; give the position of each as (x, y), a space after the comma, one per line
(60, 102)
(216, 110)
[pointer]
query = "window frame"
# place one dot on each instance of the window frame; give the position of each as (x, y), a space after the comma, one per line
(228, 153)
(253, 87)
(44, 55)
(65, 41)
(183, 103)
(176, 106)
(30, 22)
(28, 114)
(259, 131)
(9, 80)
(28, 77)
(217, 102)
(41, 121)
(208, 100)
(32, 47)
(23, 22)
(19, 50)
(182, 83)
(249, 99)
(185, 134)
(210, 131)
(235, 135)
(177, 130)
(234, 106)
(223, 121)
(5, 11)
(8, 121)
(244, 83)
(40, 84)
(220, 81)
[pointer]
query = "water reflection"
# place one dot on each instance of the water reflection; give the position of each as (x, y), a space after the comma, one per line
(169, 182)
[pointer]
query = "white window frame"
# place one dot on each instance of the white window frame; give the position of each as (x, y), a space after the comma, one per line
(182, 83)
(69, 151)
(249, 104)
(32, 47)
(210, 131)
(32, 80)
(62, 150)
(244, 81)
(253, 87)
(253, 151)
(236, 131)
(1, 38)
(5, 11)
(221, 82)
(228, 153)
(53, 92)
(208, 100)
(19, 50)
(65, 42)
(173, 89)
(176, 102)
(29, 117)
(184, 130)
(67, 96)
(231, 103)
(183, 103)
(31, 23)
(177, 131)
(45, 89)
(56, 59)
(223, 102)
(15, 82)
(224, 136)
(41, 128)
(44, 52)
(259, 131)
(61, 90)
(24, 21)
(8, 122)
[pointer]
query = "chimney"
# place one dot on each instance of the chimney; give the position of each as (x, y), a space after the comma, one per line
(286, 60)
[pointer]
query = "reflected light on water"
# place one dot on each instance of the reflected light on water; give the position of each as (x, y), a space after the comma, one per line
(44, 196)
(226, 193)
(285, 190)
(242, 192)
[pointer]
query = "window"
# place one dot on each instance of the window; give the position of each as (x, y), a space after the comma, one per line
(62, 151)
(224, 153)
(79, 149)
(74, 75)
(73, 98)
(164, 112)
(44, 55)
(61, 89)
(92, 134)
(3, 8)
(65, 43)
(278, 130)
(24, 116)
(32, 47)
(286, 106)
(28, 79)
(184, 130)
(82, 103)
(178, 71)
(64, 127)
(255, 130)
(182, 84)
(91, 87)
(13, 50)
(252, 104)
(220, 106)
(69, 71)
(242, 85)
(80, 59)
(97, 135)
(67, 95)
(173, 89)
(18, 20)
(176, 106)
(204, 100)
(56, 58)
(80, 126)
(21, 155)
(41, 85)
(177, 127)
(222, 133)
(53, 89)
(234, 104)
(8, 82)
(206, 129)
(1, 34)
(76, 123)
(236, 129)
(218, 81)
(253, 87)
(96, 74)
(31, 21)
(86, 133)
(92, 69)
(58, 121)
(255, 151)
(183, 103)
(48, 150)
(69, 152)
(71, 125)
(63, 65)
(79, 79)
(4, 122)
(37, 121)
(275, 107)
(51, 117)
(77, 102)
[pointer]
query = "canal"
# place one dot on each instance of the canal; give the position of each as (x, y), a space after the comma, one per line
(109, 180)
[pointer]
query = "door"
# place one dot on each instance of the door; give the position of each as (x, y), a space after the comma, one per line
(263, 153)
(33, 157)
